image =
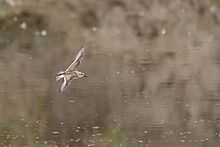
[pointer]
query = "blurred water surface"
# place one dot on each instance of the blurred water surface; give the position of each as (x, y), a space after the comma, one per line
(148, 88)
(122, 103)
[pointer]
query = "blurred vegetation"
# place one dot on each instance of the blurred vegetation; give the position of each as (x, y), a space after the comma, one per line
(114, 137)
(3, 10)
(1, 2)
(40, 102)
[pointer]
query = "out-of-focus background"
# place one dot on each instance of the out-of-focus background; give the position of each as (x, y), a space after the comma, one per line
(153, 70)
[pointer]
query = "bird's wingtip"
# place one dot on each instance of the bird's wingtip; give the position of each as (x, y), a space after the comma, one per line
(82, 47)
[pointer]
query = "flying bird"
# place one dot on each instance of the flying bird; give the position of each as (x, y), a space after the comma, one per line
(71, 73)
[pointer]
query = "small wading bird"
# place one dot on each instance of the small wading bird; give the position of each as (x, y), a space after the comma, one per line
(71, 72)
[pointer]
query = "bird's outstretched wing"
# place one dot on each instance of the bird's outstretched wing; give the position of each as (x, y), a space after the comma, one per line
(77, 61)
(64, 85)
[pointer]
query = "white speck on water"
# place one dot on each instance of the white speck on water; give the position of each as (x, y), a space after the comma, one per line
(90, 145)
(188, 132)
(202, 120)
(96, 127)
(72, 101)
(132, 71)
(182, 10)
(15, 18)
(45, 142)
(145, 132)
(147, 50)
(189, 33)
(125, 101)
(43, 33)
(76, 131)
(162, 121)
(163, 32)
(72, 15)
(77, 140)
(206, 139)
(92, 141)
(182, 141)
(23, 25)
(141, 13)
(61, 123)
(212, 9)
(71, 140)
(7, 136)
(117, 72)
(195, 122)
(99, 134)
(55, 132)
(140, 141)
(94, 29)
(14, 137)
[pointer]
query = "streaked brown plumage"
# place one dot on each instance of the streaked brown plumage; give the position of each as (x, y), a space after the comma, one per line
(71, 72)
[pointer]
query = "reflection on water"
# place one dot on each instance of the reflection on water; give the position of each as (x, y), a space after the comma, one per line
(122, 103)
(160, 95)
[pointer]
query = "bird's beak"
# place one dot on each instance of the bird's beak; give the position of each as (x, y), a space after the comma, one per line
(85, 76)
